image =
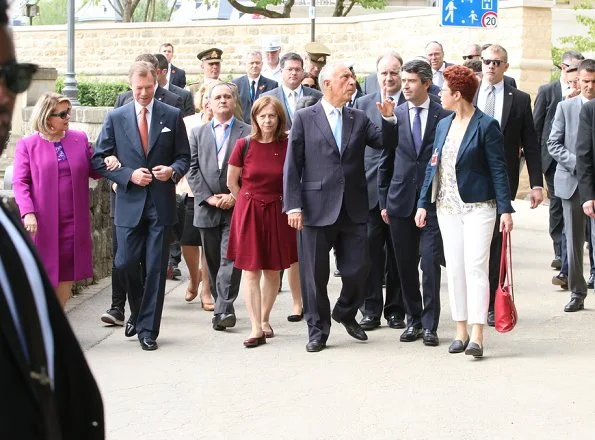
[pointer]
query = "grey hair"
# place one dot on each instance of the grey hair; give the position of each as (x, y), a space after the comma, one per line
(251, 53)
(389, 53)
(327, 71)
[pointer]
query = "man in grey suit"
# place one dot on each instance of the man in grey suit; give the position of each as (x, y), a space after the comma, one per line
(291, 90)
(187, 101)
(326, 199)
(548, 97)
(210, 146)
(562, 146)
(253, 84)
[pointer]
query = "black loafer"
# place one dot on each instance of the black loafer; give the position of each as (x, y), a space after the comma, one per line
(314, 346)
(560, 280)
(431, 338)
(591, 282)
(369, 322)
(458, 346)
(411, 334)
(474, 349)
(395, 322)
(353, 329)
(295, 318)
(575, 305)
(491, 319)
(222, 321)
(148, 344)
(130, 329)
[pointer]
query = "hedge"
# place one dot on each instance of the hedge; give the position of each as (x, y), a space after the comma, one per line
(96, 94)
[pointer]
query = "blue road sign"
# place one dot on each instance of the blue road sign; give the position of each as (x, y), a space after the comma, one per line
(469, 13)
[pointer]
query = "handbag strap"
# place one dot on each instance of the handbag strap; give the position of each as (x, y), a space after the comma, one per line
(506, 262)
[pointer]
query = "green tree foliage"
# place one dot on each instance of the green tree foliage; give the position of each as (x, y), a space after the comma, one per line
(342, 7)
(51, 12)
(95, 93)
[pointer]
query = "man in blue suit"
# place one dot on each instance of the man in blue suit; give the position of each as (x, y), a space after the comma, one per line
(150, 141)
(326, 198)
(253, 84)
(400, 178)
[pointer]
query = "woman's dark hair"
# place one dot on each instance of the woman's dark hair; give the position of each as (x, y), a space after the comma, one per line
(259, 104)
(462, 79)
(306, 101)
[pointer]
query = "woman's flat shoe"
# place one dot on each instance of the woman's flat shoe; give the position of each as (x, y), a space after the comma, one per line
(458, 346)
(474, 349)
(255, 342)
(295, 318)
(269, 334)
(190, 295)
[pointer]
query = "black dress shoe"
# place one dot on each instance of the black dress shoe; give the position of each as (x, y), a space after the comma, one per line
(575, 304)
(223, 320)
(353, 329)
(431, 338)
(491, 318)
(474, 349)
(591, 282)
(369, 322)
(295, 318)
(411, 334)
(458, 346)
(148, 344)
(561, 280)
(130, 329)
(314, 346)
(395, 322)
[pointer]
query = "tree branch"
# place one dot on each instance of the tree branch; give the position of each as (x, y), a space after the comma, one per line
(287, 8)
(338, 12)
(348, 10)
(258, 10)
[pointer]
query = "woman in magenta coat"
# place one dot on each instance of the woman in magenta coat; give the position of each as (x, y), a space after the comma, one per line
(51, 187)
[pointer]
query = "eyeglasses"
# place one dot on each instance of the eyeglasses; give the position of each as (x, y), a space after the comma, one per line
(17, 76)
(496, 63)
(469, 57)
(63, 114)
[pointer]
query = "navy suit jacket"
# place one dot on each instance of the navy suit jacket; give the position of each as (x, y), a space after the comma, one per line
(402, 170)
(187, 100)
(548, 97)
(480, 164)
(168, 145)
(278, 93)
(177, 76)
(317, 177)
(264, 85)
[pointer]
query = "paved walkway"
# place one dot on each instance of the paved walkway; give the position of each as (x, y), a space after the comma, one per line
(537, 382)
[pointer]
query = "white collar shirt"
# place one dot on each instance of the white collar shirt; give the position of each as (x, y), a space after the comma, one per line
(484, 89)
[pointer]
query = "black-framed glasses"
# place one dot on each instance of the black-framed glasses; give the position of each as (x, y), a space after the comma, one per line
(17, 76)
(63, 114)
(496, 63)
(468, 57)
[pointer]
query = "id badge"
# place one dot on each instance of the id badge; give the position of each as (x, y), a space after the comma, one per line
(434, 159)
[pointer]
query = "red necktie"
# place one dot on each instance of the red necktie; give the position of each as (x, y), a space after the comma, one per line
(143, 128)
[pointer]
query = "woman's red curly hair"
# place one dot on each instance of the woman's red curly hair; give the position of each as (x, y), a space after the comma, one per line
(462, 79)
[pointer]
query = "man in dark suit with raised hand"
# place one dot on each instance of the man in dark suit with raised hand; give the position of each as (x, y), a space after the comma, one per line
(149, 139)
(382, 257)
(253, 84)
(48, 391)
(512, 109)
(400, 178)
(326, 199)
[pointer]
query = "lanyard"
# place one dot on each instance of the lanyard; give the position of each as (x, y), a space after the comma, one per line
(225, 136)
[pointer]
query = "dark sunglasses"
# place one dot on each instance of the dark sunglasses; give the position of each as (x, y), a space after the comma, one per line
(17, 76)
(468, 57)
(63, 114)
(496, 63)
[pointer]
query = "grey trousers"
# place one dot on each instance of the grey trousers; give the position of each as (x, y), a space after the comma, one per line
(574, 229)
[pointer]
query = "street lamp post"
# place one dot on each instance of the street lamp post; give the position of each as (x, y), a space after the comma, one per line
(312, 14)
(70, 90)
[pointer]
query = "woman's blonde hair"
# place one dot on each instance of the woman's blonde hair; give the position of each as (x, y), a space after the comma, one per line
(44, 107)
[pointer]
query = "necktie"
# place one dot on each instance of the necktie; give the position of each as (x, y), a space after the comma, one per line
(220, 139)
(491, 102)
(416, 130)
(338, 128)
(27, 310)
(291, 102)
(253, 90)
(439, 78)
(143, 128)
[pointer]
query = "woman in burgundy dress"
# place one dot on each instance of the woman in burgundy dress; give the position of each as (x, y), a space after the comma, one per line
(261, 243)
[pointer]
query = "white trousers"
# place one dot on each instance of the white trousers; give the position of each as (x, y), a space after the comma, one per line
(467, 240)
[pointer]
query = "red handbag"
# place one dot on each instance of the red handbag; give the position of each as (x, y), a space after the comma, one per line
(505, 314)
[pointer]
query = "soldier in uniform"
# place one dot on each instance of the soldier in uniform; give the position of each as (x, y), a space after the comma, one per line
(316, 54)
(210, 63)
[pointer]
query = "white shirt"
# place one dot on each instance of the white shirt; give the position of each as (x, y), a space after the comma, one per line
(437, 75)
(37, 288)
(396, 97)
(168, 72)
(484, 89)
(329, 111)
(138, 108)
(423, 115)
(291, 104)
(255, 88)
(274, 74)
(166, 85)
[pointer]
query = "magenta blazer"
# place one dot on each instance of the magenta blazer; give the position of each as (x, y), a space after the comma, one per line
(35, 185)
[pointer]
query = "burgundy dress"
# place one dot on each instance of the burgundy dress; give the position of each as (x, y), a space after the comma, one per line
(260, 237)
(66, 216)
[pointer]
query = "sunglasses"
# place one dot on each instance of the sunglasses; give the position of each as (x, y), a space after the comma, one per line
(17, 76)
(63, 114)
(468, 57)
(496, 63)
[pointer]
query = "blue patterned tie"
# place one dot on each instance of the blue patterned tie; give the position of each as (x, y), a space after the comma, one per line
(416, 130)
(338, 129)
(490, 106)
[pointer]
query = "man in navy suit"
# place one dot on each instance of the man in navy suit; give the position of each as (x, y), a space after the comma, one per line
(149, 139)
(400, 178)
(175, 75)
(326, 199)
(253, 84)
(382, 257)
(290, 91)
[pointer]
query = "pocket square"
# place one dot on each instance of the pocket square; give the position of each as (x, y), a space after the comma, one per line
(165, 130)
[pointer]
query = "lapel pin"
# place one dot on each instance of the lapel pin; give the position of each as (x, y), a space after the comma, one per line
(161, 122)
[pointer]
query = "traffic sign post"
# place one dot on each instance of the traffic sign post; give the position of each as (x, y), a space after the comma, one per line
(469, 13)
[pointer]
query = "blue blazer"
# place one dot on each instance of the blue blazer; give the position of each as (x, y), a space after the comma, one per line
(168, 145)
(480, 166)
